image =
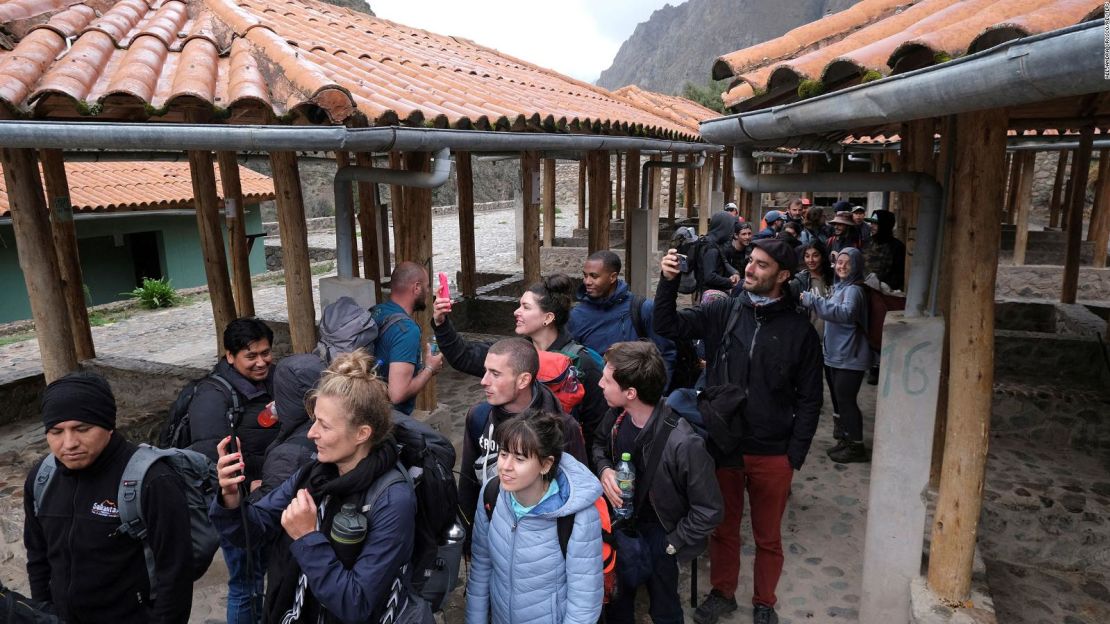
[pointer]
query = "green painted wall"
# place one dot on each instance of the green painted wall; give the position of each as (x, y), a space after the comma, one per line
(107, 246)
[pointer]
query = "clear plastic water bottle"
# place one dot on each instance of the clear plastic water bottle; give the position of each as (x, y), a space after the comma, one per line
(434, 345)
(626, 481)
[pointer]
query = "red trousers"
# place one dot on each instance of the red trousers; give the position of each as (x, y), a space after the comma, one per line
(767, 480)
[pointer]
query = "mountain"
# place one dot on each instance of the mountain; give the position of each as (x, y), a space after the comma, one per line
(362, 6)
(678, 44)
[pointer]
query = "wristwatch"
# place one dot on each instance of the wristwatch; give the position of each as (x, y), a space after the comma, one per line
(671, 549)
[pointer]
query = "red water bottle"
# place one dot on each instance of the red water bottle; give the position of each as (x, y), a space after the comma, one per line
(268, 417)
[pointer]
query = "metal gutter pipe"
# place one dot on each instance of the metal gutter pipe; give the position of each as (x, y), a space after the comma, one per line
(928, 218)
(441, 171)
(1061, 63)
(640, 247)
(168, 136)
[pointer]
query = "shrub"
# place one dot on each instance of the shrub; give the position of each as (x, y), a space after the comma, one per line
(156, 293)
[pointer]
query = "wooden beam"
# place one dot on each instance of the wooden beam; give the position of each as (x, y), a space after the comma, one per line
(672, 190)
(1103, 173)
(369, 222)
(548, 202)
(1057, 190)
(464, 178)
(38, 260)
(656, 186)
(979, 177)
(1012, 188)
(949, 266)
(294, 248)
(529, 181)
(619, 192)
(1075, 215)
(396, 201)
(412, 225)
(582, 166)
(235, 217)
(632, 202)
(210, 228)
(1068, 187)
(1024, 202)
(66, 248)
(703, 196)
(918, 141)
(343, 159)
(1100, 214)
(598, 184)
(729, 183)
(809, 165)
(689, 188)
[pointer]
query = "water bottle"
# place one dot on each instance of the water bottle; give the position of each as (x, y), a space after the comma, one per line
(626, 481)
(349, 525)
(434, 344)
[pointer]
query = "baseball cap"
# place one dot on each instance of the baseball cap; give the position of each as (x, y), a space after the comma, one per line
(858, 209)
(772, 216)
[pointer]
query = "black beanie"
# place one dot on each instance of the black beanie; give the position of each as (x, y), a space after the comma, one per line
(83, 396)
(781, 251)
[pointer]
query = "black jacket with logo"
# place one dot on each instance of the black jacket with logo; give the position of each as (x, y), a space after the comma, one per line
(208, 417)
(773, 351)
(76, 561)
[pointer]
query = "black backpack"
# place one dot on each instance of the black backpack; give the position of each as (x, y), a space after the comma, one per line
(687, 364)
(690, 280)
(175, 433)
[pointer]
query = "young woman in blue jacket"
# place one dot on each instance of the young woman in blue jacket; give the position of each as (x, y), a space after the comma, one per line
(330, 564)
(518, 572)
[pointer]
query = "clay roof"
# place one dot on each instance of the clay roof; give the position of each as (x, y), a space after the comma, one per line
(126, 186)
(264, 61)
(876, 38)
(684, 112)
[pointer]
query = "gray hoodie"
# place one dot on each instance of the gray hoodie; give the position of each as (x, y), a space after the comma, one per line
(844, 311)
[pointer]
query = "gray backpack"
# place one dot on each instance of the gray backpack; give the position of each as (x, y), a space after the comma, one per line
(197, 472)
(346, 326)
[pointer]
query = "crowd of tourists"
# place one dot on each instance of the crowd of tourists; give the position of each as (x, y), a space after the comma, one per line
(616, 437)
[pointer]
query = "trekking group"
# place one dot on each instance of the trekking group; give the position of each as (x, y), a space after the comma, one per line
(615, 439)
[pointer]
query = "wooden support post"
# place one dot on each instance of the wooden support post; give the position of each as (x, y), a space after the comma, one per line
(529, 181)
(1024, 202)
(917, 156)
(949, 266)
(412, 223)
(1075, 215)
(1100, 214)
(672, 190)
(369, 222)
(729, 184)
(1057, 190)
(689, 187)
(1012, 186)
(619, 194)
(294, 248)
(809, 165)
(656, 187)
(396, 200)
(212, 242)
(703, 196)
(598, 184)
(39, 262)
(343, 159)
(583, 164)
(632, 203)
(464, 178)
(235, 216)
(979, 177)
(1103, 171)
(548, 202)
(65, 246)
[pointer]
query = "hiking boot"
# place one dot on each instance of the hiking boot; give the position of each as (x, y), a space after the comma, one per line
(762, 614)
(840, 445)
(854, 452)
(713, 607)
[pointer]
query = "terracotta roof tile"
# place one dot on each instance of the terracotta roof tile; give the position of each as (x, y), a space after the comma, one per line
(15, 10)
(682, 111)
(881, 37)
(125, 186)
(263, 60)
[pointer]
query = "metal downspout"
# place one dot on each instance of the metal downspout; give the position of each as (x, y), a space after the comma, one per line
(928, 218)
(640, 247)
(441, 171)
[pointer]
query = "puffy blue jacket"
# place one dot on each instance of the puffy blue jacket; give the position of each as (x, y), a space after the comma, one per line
(844, 311)
(598, 323)
(518, 570)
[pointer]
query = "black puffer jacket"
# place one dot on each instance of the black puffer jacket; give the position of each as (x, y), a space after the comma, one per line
(208, 417)
(773, 351)
(91, 574)
(713, 264)
(684, 490)
(294, 377)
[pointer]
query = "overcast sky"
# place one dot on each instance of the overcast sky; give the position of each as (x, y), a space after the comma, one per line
(574, 37)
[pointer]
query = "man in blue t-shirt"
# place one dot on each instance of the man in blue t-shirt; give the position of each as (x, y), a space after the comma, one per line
(398, 347)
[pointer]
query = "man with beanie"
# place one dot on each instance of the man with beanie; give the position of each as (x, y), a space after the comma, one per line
(77, 561)
(761, 342)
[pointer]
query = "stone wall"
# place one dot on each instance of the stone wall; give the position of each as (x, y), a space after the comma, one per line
(20, 398)
(1044, 282)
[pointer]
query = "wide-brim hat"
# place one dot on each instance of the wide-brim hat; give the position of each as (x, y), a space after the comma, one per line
(843, 218)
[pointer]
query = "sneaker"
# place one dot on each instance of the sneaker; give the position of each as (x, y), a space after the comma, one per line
(840, 445)
(854, 452)
(713, 607)
(762, 614)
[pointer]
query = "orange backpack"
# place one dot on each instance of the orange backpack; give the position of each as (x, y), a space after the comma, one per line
(558, 373)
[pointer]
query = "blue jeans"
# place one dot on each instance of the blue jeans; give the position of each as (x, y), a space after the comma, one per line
(662, 587)
(239, 583)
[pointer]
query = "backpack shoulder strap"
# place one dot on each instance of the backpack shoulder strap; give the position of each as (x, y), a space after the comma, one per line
(236, 407)
(479, 416)
(489, 497)
(42, 479)
(129, 498)
(396, 475)
(565, 525)
(637, 311)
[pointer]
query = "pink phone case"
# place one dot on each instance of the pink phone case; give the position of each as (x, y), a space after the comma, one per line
(444, 289)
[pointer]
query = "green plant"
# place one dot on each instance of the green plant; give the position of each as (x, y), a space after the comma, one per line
(810, 88)
(322, 268)
(708, 95)
(870, 76)
(155, 293)
(96, 319)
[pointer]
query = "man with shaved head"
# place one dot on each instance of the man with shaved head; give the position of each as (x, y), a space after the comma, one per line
(398, 347)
